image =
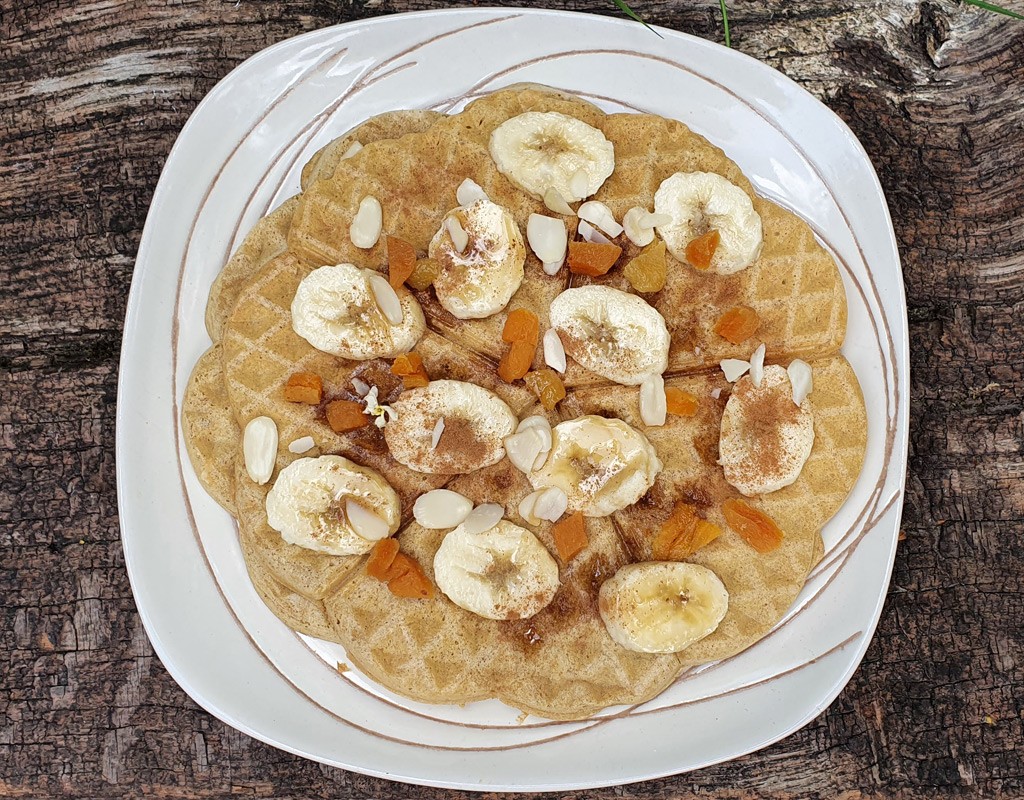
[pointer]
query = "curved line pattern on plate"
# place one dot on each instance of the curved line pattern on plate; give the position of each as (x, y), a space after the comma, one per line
(839, 553)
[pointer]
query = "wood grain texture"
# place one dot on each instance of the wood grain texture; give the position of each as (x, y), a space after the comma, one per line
(93, 95)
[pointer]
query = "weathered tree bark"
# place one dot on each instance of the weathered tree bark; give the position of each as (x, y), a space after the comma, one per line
(93, 95)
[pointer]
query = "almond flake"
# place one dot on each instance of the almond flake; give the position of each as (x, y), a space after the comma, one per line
(734, 368)
(483, 518)
(353, 148)
(302, 445)
(366, 225)
(801, 378)
(597, 213)
(441, 508)
(469, 192)
(259, 448)
(639, 234)
(523, 449)
(552, 267)
(653, 403)
(362, 387)
(554, 352)
(757, 366)
(716, 392)
(579, 184)
(365, 523)
(591, 234)
(386, 297)
(553, 200)
(551, 504)
(548, 237)
(459, 237)
(435, 437)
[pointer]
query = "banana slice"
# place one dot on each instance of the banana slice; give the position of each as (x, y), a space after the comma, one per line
(698, 202)
(502, 573)
(476, 422)
(662, 606)
(615, 334)
(336, 310)
(479, 275)
(765, 437)
(539, 151)
(325, 503)
(602, 465)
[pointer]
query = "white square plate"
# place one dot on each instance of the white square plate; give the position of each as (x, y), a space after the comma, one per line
(240, 155)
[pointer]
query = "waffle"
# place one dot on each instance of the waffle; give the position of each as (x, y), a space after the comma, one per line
(794, 285)
(560, 663)
(210, 432)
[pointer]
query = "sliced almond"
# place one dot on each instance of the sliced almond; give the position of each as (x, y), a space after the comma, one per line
(460, 239)
(259, 448)
(551, 504)
(548, 504)
(353, 148)
(579, 184)
(386, 297)
(757, 366)
(654, 220)
(483, 518)
(302, 445)
(554, 351)
(541, 425)
(639, 234)
(435, 436)
(469, 192)
(441, 508)
(366, 225)
(597, 213)
(365, 523)
(591, 234)
(801, 378)
(548, 237)
(653, 403)
(523, 448)
(362, 387)
(552, 267)
(553, 200)
(734, 368)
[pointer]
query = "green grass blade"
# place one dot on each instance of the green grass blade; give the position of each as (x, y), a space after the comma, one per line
(725, 23)
(625, 9)
(995, 8)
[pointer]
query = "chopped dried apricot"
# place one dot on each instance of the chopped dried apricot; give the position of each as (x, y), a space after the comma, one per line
(570, 536)
(517, 361)
(701, 250)
(683, 534)
(548, 387)
(403, 575)
(521, 326)
(345, 415)
(589, 258)
(401, 261)
(381, 556)
(409, 367)
(424, 274)
(304, 387)
(680, 402)
(755, 527)
(647, 271)
(738, 324)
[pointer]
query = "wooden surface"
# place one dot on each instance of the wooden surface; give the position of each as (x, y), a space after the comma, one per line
(93, 95)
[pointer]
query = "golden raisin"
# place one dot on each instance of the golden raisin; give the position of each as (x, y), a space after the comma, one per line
(755, 527)
(683, 534)
(548, 387)
(680, 402)
(424, 274)
(738, 324)
(647, 271)
(701, 251)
